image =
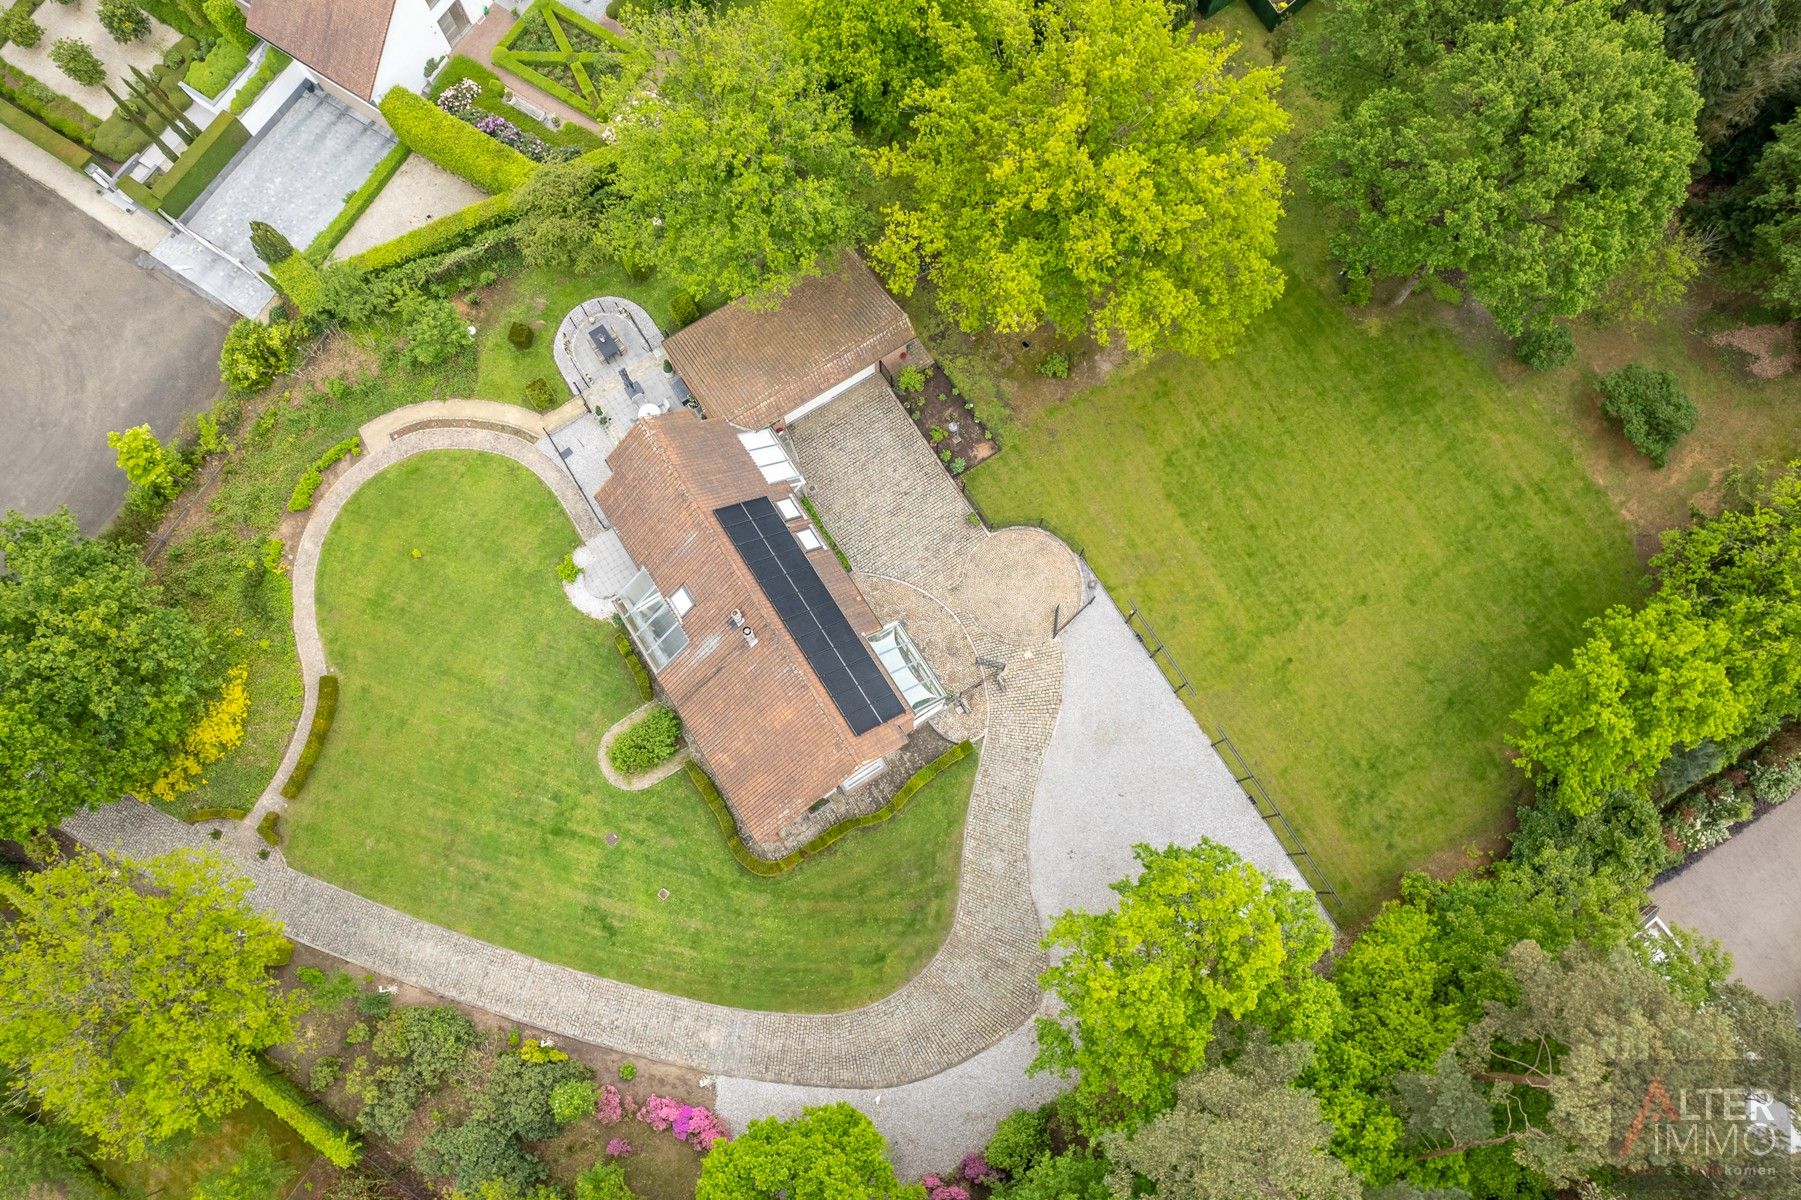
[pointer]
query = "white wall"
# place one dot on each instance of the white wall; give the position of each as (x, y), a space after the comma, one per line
(414, 40)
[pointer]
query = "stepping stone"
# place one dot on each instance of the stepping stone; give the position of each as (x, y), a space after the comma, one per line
(662, 893)
(612, 839)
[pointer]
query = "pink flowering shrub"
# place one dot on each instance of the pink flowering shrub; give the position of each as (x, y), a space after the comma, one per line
(690, 1123)
(611, 1109)
(931, 1183)
(977, 1170)
(949, 1191)
(618, 1148)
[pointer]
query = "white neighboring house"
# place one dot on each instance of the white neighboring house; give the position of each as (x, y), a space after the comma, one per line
(358, 49)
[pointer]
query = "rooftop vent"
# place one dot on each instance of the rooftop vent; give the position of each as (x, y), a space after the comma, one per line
(750, 636)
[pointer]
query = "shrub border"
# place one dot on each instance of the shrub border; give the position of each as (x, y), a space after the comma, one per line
(195, 816)
(271, 1088)
(315, 737)
(320, 248)
(441, 234)
(622, 642)
(200, 164)
(709, 792)
(69, 152)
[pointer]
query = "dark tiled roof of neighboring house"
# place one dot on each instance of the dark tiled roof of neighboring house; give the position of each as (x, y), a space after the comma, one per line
(758, 716)
(752, 367)
(340, 39)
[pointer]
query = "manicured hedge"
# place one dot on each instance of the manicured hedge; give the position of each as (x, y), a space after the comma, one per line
(269, 828)
(318, 1128)
(629, 652)
(274, 63)
(445, 233)
(142, 196)
(200, 164)
(600, 76)
(709, 791)
(298, 280)
(321, 247)
(31, 95)
(453, 144)
(308, 484)
(195, 816)
(209, 75)
(44, 137)
(315, 737)
(493, 100)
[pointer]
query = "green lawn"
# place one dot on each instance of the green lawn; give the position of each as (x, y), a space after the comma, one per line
(460, 782)
(1361, 533)
(542, 299)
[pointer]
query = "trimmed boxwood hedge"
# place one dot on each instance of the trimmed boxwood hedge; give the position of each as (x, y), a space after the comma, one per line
(315, 737)
(317, 1127)
(445, 233)
(200, 164)
(634, 664)
(44, 137)
(269, 828)
(195, 816)
(709, 791)
(307, 486)
(298, 280)
(209, 75)
(454, 144)
(321, 247)
(600, 76)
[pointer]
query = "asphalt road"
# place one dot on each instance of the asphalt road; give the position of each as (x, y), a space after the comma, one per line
(92, 342)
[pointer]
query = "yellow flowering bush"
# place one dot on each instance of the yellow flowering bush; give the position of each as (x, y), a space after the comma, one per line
(218, 732)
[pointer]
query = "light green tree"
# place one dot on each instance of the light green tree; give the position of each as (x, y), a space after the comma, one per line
(1539, 158)
(1347, 51)
(738, 176)
(147, 463)
(1644, 685)
(134, 995)
(1081, 163)
(1235, 1123)
(873, 53)
(1199, 934)
(99, 680)
(831, 1152)
(256, 1174)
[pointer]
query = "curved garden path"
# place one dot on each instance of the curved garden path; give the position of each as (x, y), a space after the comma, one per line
(980, 986)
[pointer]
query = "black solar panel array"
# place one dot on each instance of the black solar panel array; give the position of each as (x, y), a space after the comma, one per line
(812, 617)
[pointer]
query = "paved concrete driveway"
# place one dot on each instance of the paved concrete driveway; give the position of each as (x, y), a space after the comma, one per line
(1743, 894)
(93, 343)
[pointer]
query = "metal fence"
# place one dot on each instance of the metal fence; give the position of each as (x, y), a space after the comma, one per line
(1242, 774)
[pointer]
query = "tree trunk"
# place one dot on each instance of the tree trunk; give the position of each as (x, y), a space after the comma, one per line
(1447, 1151)
(1413, 281)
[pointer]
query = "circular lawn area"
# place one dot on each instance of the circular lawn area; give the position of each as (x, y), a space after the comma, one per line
(459, 782)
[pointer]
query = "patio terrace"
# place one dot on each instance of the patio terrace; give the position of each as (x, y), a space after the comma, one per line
(611, 355)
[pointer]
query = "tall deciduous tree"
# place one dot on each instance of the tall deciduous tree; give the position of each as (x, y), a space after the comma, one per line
(1236, 1123)
(1083, 164)
(556, 209)
(832, 1152)
(1349, 50)
(1776, 203)
(1538, 158)
(874, 53)
(738, 176)
(1199, 934)
(133, 995)
(99, 681)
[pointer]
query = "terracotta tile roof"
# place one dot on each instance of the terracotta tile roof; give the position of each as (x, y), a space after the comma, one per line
(752, 368)
(757, 715)
(340, 39)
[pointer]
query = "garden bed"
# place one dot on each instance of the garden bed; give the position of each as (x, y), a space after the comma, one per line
(946, 418)
(567, 56)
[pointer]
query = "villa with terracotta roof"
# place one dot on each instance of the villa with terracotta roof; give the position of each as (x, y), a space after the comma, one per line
(358, 49)
(766, 368)
(791, 691)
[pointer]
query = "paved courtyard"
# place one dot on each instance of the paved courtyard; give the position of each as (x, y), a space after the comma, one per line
(1741, 893)
(420, 192)
(97, 342)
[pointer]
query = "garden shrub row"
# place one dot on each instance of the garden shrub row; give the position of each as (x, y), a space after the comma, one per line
(60, 113)
(453, 144)
(274, 63)
(277, 1093)
(647, 744)
(356, 204)
(269, 828)
(195, 816)
(442, 234)
(634, 664)
(541, 48)
(210, 75)
(315, 736)
(200, 164)
(709, 792)
(44, 137)
(298, 280)
(310, 479)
